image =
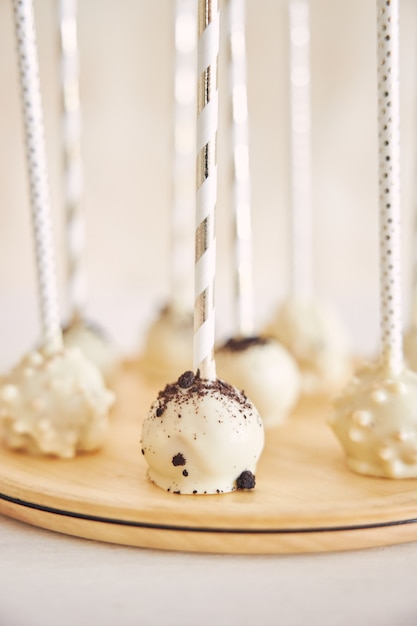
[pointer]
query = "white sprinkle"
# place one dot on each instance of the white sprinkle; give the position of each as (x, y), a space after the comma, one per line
(379, 396)
(9, 393)
(362, 418)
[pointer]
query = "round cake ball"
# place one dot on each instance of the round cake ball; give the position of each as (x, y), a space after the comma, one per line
(95, 345)
(202, 437)
(316, 338)
(375, 420)
(168, 349)
(267, 373)
(54, 405)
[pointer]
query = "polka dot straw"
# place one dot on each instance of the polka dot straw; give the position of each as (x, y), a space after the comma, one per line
(389, 184)
(37, 171)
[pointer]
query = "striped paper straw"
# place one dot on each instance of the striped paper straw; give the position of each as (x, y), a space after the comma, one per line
(37, 173)
(73, 168)
(389, 184)
(206, 197)
(300, 151)
(241, 176)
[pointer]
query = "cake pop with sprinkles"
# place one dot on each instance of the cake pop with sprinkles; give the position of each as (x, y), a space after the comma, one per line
(375, 418)
(203, 436)
(54, 402)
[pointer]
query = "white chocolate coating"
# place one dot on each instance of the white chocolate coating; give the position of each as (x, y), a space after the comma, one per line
(375, 420)
(201, 438)
(95, 346)
(314, 335)
(168, 349)
(54, 405)
(267, 373)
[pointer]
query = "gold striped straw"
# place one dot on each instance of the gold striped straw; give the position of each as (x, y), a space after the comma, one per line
(206, 196)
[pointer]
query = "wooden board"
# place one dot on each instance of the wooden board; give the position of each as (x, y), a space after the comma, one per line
(306, 500)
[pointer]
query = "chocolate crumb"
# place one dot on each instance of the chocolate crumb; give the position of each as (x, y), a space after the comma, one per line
(195, 491)
(186, 379)
(143, 451)
(246, 480)
(238, 344)
(177, 492)
(178, 459)
(159, 411)
(184, 473)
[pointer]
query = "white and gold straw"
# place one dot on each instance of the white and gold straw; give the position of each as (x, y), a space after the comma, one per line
(73, 167)
(300, 150)
(37, 173)
(241, 175)
(184, 129)
(206, 197)
(389, 184)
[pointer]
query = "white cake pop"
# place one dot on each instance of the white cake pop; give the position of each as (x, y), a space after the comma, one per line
(168, 349)
(314, 335)
(202, 437)
(266, 372)
(375, 420)
(54, 402)
(54, 405)
(94, 345)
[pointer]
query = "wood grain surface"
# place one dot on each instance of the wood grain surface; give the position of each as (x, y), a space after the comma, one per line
(306, 500)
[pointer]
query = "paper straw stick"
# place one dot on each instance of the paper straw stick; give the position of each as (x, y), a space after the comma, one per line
(73, 167)
(389, 184)
(206, 197)
(302, 280)
(241, 176)
(184, 127)
(37, 172)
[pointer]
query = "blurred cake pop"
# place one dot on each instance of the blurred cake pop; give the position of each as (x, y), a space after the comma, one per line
(55, 401)
(315, 337)
(54, 404)
(265, 371)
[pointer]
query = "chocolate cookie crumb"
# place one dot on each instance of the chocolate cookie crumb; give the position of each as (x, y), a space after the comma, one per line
(184, 473)
(186, 379)
(159, 411)
(143, 451)
(246, 480)
(238, 344)
(178, 459)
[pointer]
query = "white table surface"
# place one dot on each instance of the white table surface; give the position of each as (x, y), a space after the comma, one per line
(48, 579)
